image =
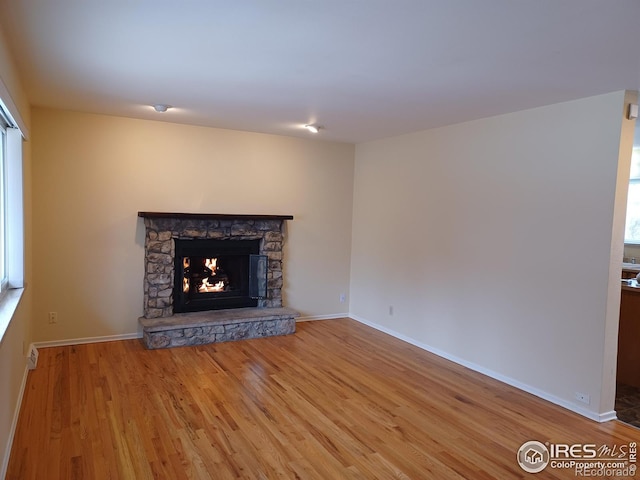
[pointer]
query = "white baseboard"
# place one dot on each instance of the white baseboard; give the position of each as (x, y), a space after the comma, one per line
(607, 417)
(333, 316)
(603, 417)
(130, 336)
(80, 341)
(14, 424)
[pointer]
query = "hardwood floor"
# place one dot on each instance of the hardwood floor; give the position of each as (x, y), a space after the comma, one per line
(337, 400)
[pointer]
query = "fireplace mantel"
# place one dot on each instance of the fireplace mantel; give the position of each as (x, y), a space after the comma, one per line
(212, 216)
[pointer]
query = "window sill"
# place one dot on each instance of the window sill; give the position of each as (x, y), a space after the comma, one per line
(8, 305)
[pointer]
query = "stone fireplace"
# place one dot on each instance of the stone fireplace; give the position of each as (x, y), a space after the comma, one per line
(222, 268)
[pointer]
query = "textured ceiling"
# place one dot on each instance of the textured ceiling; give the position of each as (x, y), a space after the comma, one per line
(363, 69)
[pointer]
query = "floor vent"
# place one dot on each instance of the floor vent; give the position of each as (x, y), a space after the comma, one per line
(32, 358)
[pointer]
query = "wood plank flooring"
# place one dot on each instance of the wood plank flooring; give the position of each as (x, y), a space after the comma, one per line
(336, 400)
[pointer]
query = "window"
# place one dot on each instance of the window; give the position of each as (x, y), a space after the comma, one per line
(11, 218)
(632, 225)
(3, 204)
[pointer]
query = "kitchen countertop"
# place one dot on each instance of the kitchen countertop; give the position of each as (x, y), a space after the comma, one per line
(631, 267)
(630, 285)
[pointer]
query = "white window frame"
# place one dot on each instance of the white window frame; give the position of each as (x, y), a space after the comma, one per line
(635, 180)
(13, 285)
(4, 282)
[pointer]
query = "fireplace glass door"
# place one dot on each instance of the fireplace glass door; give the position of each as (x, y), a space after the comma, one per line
(217, 274)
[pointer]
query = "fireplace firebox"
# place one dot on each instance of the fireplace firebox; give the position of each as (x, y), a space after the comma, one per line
(218, 274)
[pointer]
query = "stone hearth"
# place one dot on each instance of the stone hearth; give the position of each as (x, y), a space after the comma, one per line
(199, 328)
(162, 328)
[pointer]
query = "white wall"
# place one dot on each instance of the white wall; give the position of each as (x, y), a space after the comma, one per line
(491, 239)
(93, 173)
(12, 359)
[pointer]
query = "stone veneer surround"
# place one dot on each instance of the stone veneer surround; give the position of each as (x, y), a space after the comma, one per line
(163, 228)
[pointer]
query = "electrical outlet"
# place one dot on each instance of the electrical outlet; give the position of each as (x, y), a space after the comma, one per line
(583, 397)
(32, 358)
(343, 298)
(53, 317)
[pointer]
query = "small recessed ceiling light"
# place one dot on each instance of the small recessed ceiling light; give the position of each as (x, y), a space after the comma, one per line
(160, 107)
(313, 128)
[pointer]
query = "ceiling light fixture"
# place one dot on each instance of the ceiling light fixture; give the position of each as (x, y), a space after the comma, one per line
(313, 128)
(160, 107)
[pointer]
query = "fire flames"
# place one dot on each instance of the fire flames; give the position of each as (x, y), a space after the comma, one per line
(211, 264)
(186, 261)
(210, 283)
(208, 287)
